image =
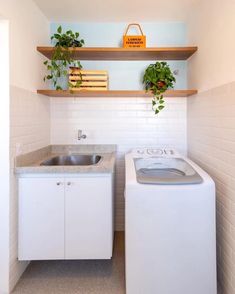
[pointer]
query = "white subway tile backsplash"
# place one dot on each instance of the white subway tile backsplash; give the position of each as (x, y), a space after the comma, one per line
(211, 143)
(127, 122)
(30, 130)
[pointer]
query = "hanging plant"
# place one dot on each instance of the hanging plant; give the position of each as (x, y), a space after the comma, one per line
(158, 78)
(62, 57)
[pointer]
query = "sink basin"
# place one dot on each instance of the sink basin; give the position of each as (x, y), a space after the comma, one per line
(72, 160)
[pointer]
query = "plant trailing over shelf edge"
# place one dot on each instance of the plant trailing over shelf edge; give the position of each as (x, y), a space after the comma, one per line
(62, 57)
(158, 78)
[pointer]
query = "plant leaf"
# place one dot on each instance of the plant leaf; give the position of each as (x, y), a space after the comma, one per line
(57, 36)
(156, 111)
(59, 30)
(70, 85)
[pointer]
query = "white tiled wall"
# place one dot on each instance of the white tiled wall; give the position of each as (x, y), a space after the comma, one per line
(127, 122)
(211, 143)
(30, 130)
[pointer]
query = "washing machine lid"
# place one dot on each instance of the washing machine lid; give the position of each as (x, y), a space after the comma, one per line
(165, 171)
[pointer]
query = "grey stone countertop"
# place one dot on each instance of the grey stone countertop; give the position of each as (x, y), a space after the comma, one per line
(30, 162)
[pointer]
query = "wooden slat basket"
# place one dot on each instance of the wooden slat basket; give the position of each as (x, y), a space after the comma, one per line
(91, 80)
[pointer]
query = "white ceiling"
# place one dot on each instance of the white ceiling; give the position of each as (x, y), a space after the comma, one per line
(115, 10)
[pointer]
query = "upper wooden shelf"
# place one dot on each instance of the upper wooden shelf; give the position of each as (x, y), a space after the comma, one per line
(109, 53)
(113, 93)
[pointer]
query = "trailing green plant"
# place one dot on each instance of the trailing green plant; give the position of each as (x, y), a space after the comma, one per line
(158, 77)
(62, 57)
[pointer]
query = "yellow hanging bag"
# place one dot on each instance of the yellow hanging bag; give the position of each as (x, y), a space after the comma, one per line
(134, 41)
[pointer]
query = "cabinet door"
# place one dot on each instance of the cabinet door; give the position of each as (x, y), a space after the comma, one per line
(41, 218)
(88, 218)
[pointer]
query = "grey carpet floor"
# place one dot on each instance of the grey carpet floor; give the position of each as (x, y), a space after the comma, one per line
(76, 277)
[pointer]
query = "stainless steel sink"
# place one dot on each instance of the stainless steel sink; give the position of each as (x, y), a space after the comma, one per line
(72, 160)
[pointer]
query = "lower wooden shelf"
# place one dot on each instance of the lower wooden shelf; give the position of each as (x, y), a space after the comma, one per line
(112, 93)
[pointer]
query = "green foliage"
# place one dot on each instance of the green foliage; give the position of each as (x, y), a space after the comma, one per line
(62, 56)
(158, 78)
(77, 84)
(66, 40)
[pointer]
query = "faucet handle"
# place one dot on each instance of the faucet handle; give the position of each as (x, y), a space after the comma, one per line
(80, 135)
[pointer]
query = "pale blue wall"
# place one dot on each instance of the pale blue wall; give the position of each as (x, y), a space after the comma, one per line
(127, 75)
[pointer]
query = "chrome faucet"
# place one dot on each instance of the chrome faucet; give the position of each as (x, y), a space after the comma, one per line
(80, 135)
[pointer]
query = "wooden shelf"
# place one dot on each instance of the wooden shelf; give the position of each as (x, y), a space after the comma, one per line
(113, 93)
(109, 53)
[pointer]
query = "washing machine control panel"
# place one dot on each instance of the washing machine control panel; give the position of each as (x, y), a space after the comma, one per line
(161, 152)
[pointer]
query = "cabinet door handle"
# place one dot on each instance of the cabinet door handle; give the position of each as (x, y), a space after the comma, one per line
(69, 183)
(58, 183)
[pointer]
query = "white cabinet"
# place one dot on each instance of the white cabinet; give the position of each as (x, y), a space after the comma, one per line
(65, 218)
(88, 211)
(41, 218)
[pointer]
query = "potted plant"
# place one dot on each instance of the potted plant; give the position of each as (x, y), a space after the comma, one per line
(62, 56)
(158, 78)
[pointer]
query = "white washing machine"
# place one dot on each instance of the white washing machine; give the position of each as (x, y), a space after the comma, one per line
(170, 230)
